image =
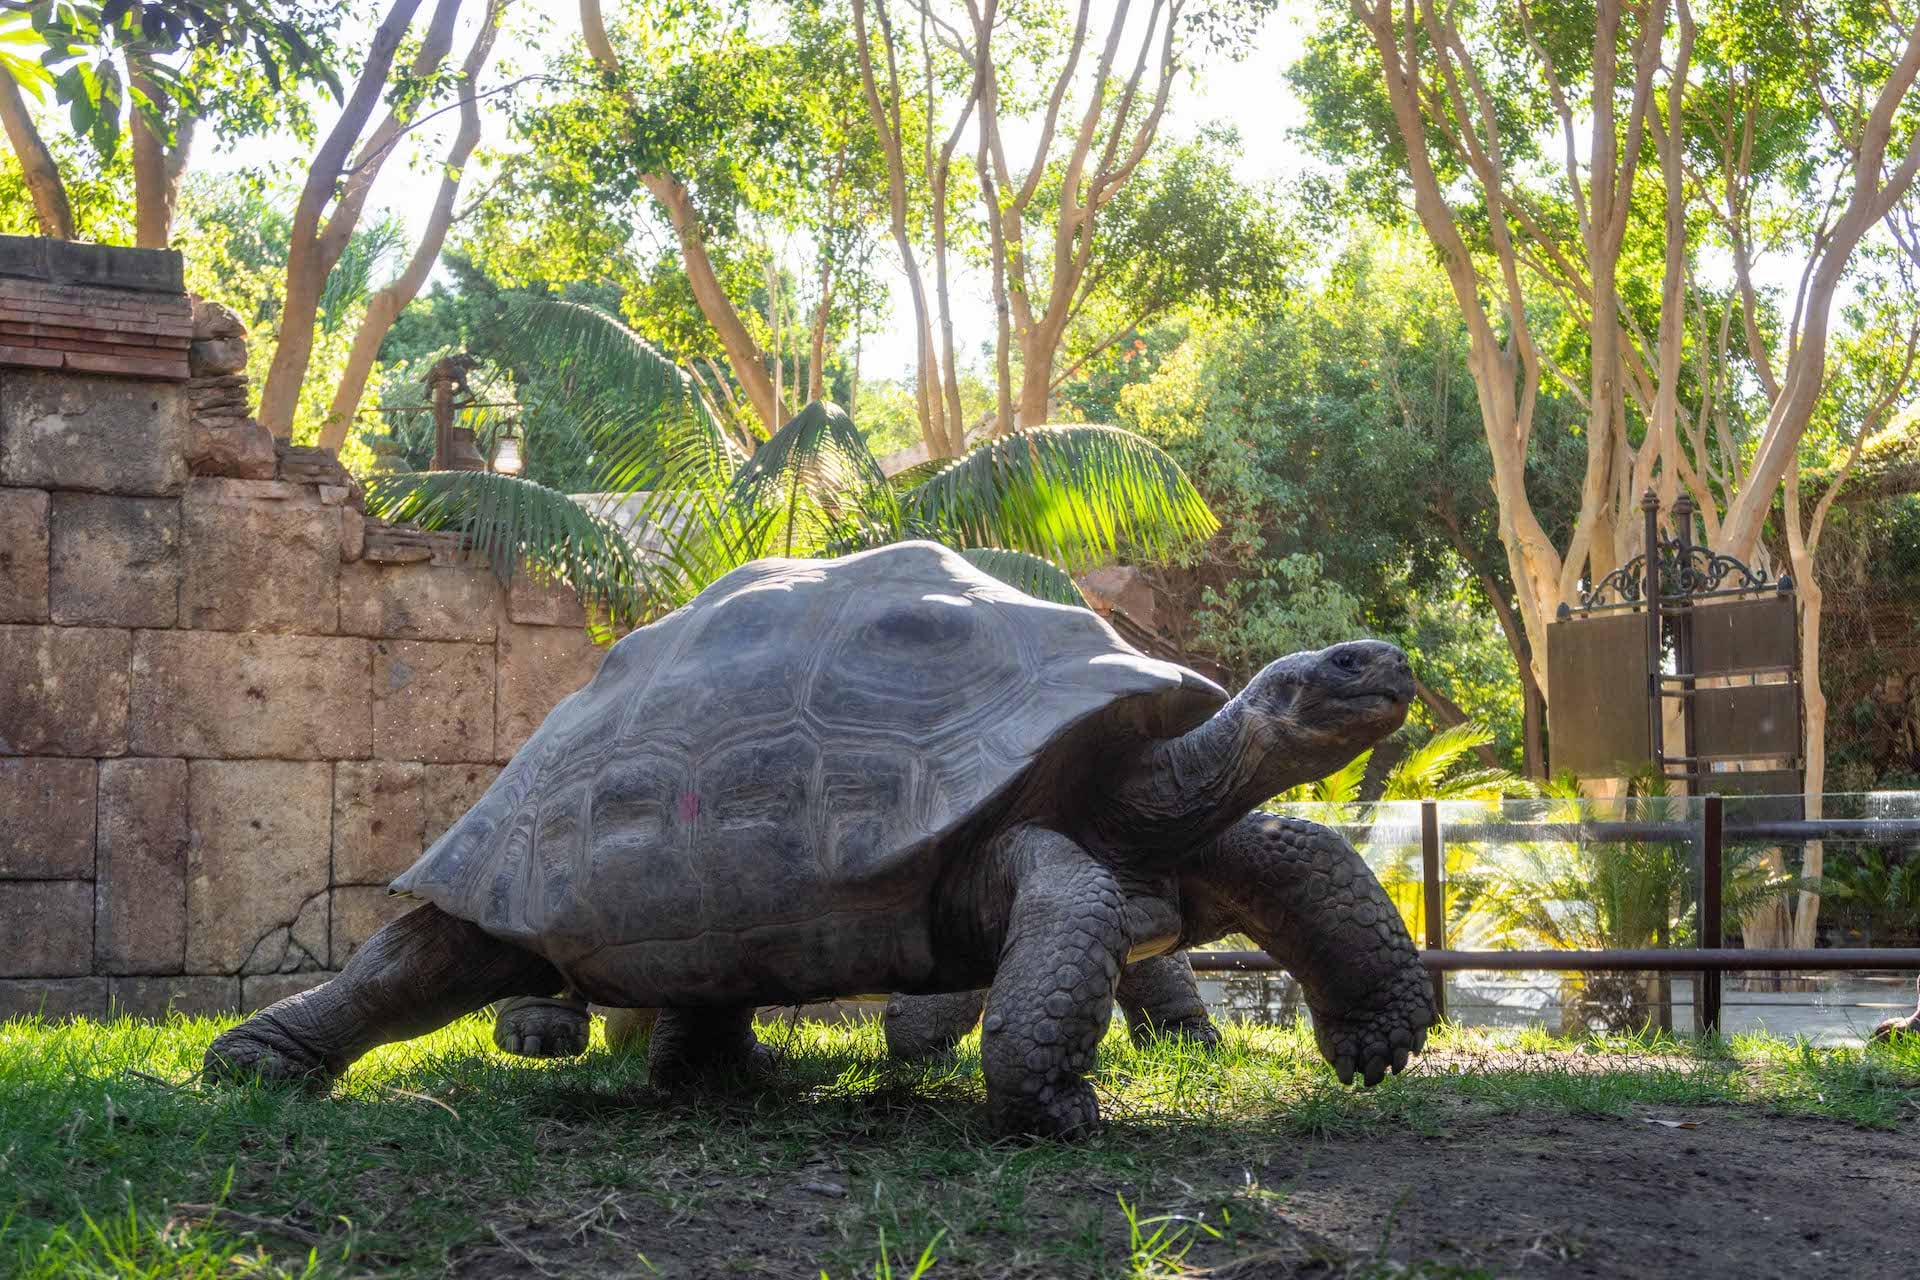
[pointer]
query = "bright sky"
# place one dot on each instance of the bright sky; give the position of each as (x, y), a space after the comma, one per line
(1251, 95)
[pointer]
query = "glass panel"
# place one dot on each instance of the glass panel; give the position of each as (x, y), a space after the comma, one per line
(1624, 873)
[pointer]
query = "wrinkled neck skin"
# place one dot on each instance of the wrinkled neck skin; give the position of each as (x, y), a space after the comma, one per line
(1182, 792)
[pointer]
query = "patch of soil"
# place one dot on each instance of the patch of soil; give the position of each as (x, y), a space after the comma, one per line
(1743, 1196)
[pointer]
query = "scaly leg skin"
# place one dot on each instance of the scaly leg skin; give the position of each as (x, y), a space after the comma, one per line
(706, 1047)
(414, 976)
(921, 1027)
(541, 1026)
(1162, 1001)
(1303, 894)
(1052, 996)
(1157, 994)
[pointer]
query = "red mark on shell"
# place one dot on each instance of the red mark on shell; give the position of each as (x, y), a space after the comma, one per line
(689, 806)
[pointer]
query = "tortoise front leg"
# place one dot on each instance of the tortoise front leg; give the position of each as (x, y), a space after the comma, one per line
(1302, 893)
(414, 976)
(1052, 995)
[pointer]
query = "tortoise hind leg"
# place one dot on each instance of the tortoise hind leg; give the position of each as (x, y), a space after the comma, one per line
(1162, 1001)
(414, 976)
(541, 1026)
(705, 1046)
(920, 1027)
(1157, 994)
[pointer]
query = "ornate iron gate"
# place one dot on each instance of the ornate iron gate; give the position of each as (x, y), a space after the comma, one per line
(1680, 622)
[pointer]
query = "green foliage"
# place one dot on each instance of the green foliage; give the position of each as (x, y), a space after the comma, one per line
(1075, 494)
(1430, 771)
(1339, 441)
(224, 57)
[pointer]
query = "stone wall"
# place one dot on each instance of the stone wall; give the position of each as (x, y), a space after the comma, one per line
(231, 706)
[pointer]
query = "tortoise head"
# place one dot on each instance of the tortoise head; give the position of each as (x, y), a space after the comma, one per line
(1333, 703)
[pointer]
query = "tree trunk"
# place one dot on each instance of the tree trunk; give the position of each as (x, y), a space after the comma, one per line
(743, 353)
(385, 306)
(50, 207)
(887, 126)
(312, 250)
(157, 169)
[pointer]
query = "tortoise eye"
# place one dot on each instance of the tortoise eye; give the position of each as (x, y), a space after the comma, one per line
(1345, 660)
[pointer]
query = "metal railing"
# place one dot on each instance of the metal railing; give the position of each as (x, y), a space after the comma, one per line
(1708, 962)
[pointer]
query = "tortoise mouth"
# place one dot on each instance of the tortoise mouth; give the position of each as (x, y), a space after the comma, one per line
(1376, 697)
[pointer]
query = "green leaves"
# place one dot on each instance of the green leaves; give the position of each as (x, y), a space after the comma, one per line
(674, 481)
(1077, 495)
(514, 522)
(103, 61)
(1039, 578)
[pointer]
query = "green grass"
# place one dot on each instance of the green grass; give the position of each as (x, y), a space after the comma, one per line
(116, 1161)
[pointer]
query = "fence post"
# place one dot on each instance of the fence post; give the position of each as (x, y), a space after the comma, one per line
(1706, 998)
(1433, 896)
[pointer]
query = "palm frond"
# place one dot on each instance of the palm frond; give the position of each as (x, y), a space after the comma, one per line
(1076, 495)
(918, 474)
(522, 526)
(1422, 772)
(1041, 579)
(815, 485)
(650, 427)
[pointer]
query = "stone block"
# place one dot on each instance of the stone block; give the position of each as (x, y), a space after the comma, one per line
(379, 821)
(257, 865)
(191, 995)
(261, 555)
(140, 891)
(216, 320)
(538, 666)
(46, 819)
(417, 601)
(432, 700)
(68, 431)
(230, 445)
(544, 604)
(63, 691)
(359, 912)
(46, 928)
(210, 357)
(210, 693)
(53, 998)
(115, 561)
(449, 791)
(260, 990)
(23, 555)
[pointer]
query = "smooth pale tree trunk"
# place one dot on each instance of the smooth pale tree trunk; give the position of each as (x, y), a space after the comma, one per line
(157, 169)
(386, 304)
(50, 207)
(313, 246)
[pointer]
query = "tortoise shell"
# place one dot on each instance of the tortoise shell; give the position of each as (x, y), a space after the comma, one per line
(764, 769)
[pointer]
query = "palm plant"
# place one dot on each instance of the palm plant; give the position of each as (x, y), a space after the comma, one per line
(688, 498)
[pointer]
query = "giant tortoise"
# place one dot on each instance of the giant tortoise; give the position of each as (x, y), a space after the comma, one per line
(889, 772)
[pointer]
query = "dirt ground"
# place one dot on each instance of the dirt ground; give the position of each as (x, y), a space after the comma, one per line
(1741, 1195)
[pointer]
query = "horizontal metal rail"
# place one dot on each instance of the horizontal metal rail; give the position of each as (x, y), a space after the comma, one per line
(1673, 960)
(1784, 831)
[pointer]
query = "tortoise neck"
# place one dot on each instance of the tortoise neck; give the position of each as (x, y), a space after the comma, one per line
(1187, 790)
